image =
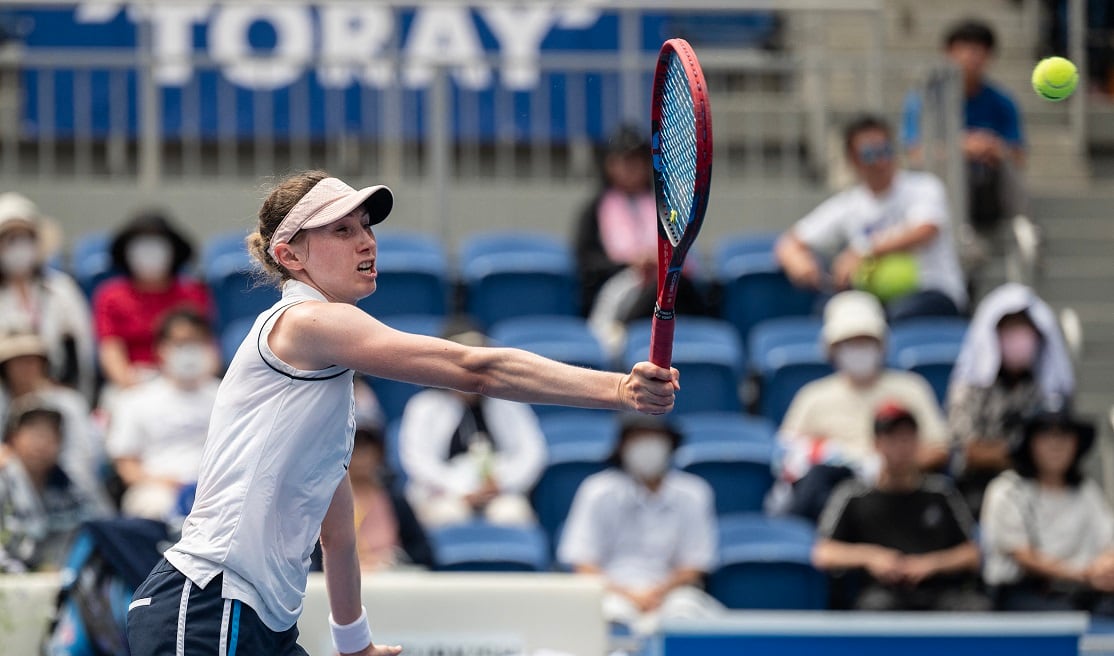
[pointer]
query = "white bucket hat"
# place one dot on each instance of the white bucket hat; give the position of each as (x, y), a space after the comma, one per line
(853, 314)
(17, 210)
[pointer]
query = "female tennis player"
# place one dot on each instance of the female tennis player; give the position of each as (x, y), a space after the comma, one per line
(280, 438)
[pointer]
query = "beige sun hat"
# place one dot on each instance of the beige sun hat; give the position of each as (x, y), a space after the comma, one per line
(18, 345)
(853, 314)
(19, 211)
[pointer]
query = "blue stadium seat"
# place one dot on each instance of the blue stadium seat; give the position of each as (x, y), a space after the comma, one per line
(508, 274)
(568, 465)
(754, 289)
(766, 563)
(392, 456)
(238, 292)
(932, 361)
(483, 547)
(558, 337)
(928, 346)
(709, 355)
(783, 371)
(413, 276)
(91, 261)
(393, 394)
(751, 243)
(231, 336)
(922, 331)
(726, 427)
(782, 331)
(220, 245)
(576, 426)
(739, 472)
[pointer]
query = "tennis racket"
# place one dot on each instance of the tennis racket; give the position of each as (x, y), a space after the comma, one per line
(681, 137)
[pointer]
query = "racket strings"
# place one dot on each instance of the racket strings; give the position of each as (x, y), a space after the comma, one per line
(678, 149)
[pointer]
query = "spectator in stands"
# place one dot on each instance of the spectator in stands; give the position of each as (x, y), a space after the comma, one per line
(387, 532)
(911, 533)
(467, 455)
(127, 310)
(891, 216)
(648, 529)
(24, 373)
(35, 298)
(616, 236)
(40, 507)
(1013, 358)
(157, 432)
(829, 427)
(993, 140)
(1048, 531)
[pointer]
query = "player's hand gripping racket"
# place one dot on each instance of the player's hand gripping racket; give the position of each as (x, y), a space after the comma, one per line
(681, 126)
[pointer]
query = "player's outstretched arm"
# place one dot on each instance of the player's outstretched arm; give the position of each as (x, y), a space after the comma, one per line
(316, 335)
(342, 575)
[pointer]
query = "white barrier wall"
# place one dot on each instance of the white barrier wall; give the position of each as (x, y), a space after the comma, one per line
(473, 614)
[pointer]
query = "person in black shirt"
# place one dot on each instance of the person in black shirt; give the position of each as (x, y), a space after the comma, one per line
(910, 532)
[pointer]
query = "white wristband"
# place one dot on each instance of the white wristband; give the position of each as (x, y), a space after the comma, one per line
(351, 638)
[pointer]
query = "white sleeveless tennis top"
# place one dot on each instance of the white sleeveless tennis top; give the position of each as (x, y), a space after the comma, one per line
(279, 443)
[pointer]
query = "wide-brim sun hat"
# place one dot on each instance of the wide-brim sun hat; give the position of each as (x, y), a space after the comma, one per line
(853, 314)
(15, 346)
(331, 200)
(19, 211)
(1059, 417)
(150, 222)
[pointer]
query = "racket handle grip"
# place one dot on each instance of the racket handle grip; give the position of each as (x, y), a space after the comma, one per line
(661, 341)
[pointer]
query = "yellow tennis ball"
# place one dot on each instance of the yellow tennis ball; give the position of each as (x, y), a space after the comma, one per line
(889, 276)
(1054, 78)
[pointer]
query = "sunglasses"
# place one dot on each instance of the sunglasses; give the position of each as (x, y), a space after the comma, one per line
(872, 154)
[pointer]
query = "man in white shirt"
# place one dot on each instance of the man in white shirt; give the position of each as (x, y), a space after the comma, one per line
(157, 431)
(649, 530)
(890, 212)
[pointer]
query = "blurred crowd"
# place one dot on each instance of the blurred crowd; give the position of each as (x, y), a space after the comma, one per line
(973, 498)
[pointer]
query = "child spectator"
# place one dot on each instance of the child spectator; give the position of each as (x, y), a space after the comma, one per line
(911, 533)
(158, 429)
(648, 529)
(1048, 531)
(40, 507)
(829, 429)
(1014, 358)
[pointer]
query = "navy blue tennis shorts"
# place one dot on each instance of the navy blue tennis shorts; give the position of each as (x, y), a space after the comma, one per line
(169, 614)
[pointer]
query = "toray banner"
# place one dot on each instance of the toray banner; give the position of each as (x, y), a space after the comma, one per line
(233, 69)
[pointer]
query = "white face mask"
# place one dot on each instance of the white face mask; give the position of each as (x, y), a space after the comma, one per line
(189, 363)
(647, 458)
(859, 361)
(150, 257)
(19, 257)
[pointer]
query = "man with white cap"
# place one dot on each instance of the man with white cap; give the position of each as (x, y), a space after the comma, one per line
(831, 420)
(274, 470)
